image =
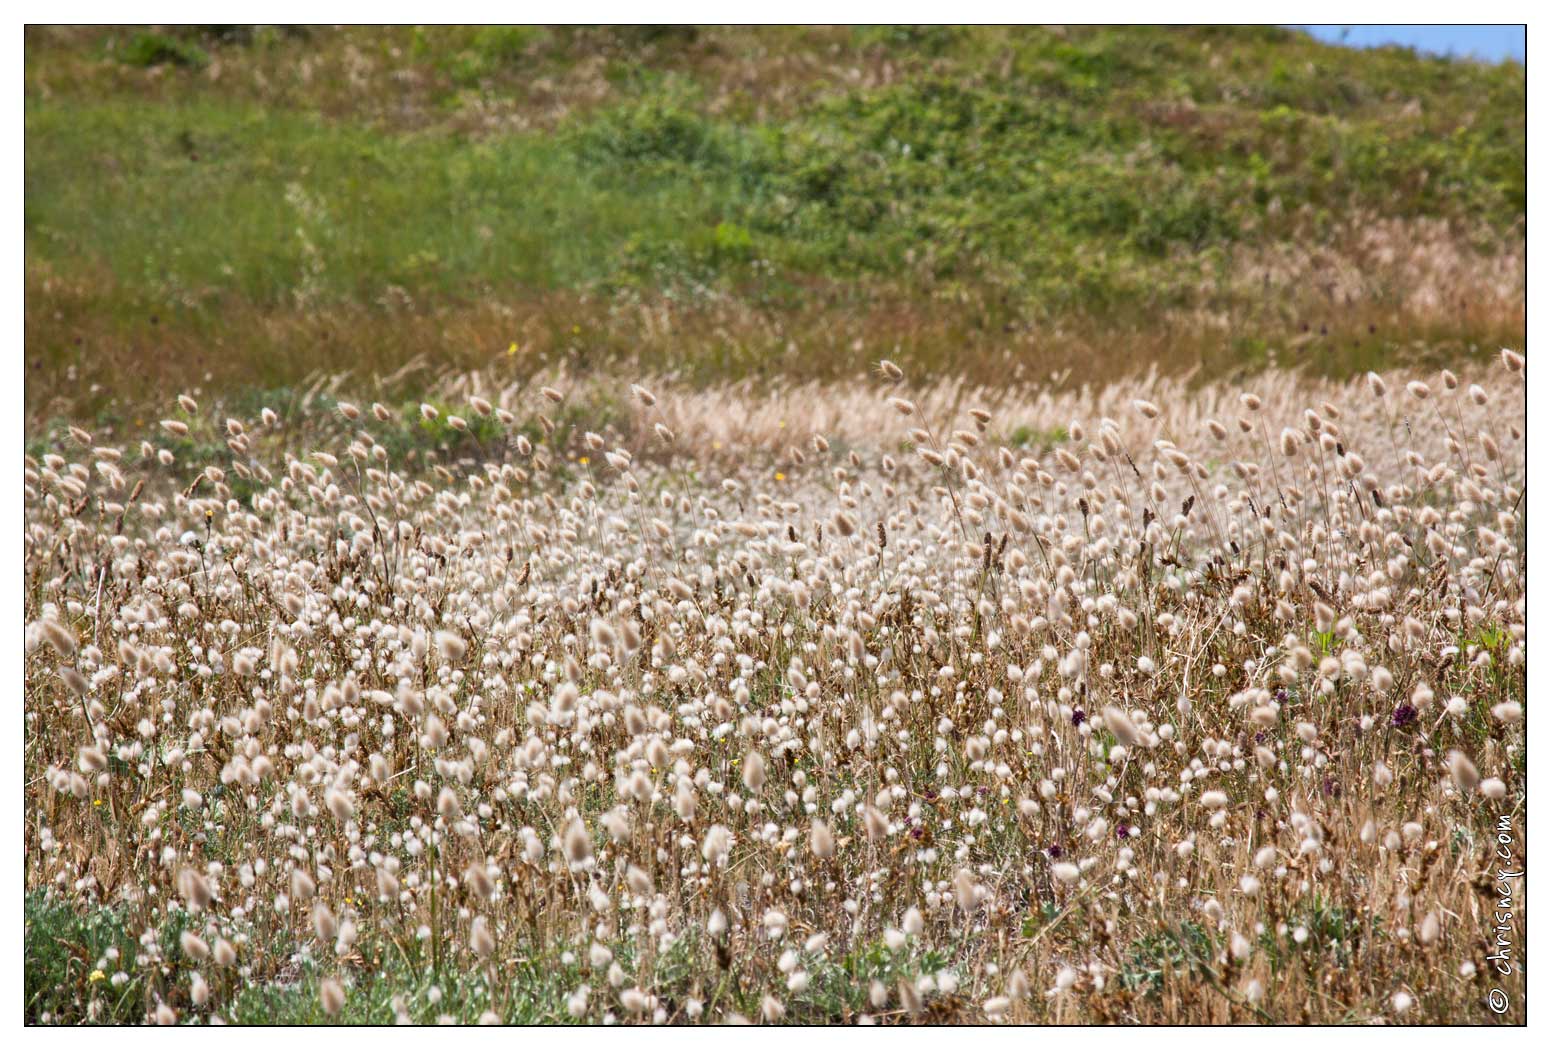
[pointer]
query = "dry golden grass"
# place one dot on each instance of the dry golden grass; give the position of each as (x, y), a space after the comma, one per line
(799, 704)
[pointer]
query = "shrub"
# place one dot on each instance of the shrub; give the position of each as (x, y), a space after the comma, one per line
(154, 49)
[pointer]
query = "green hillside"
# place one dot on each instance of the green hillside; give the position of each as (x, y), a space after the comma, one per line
(255, 203)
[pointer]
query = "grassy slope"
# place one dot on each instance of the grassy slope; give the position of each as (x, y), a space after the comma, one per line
(252, 206)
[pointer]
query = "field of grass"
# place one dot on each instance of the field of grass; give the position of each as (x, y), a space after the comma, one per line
(874, 524)
(873, 701)
(263, 205)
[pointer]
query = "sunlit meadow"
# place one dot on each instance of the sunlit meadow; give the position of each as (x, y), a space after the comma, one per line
(862, 701)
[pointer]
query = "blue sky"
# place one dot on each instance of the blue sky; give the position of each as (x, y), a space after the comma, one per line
(1492, 43)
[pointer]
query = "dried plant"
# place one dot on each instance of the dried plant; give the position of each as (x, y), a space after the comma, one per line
(1150, 716)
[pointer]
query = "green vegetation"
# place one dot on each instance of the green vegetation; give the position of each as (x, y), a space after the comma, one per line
(963, 194)
(62, 975)
(1154, 959)
(65, 945)
(154, 49)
